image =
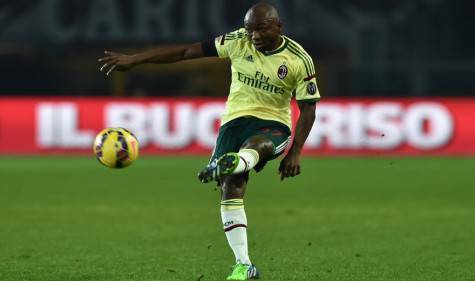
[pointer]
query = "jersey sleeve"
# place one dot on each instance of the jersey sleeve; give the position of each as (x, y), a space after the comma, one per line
(228, 44)
(306, 88)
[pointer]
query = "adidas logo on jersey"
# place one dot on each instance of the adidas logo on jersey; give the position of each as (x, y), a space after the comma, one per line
(250, 58)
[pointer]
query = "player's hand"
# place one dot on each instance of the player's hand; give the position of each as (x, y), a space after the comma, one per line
(115, 61)
(290, 165)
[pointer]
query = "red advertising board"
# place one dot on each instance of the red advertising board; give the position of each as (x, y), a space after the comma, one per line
(189, 125)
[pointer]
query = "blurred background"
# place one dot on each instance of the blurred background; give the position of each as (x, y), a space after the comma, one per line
(361, 48)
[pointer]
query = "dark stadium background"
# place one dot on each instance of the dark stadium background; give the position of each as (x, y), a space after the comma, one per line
(366, 213)
(362, 48)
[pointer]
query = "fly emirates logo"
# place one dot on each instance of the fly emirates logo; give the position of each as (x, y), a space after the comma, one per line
(260, 81)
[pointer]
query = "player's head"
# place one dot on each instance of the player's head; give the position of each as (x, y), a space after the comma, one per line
(263, 26)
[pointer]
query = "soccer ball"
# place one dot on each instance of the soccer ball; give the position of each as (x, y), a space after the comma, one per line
(116, 147)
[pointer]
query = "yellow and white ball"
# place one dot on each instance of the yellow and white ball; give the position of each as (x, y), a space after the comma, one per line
(116, 147)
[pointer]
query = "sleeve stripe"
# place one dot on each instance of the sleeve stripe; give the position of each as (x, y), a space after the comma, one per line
(305, 54)
(222, 40)
(304, 61)
(308, 59)
(301, 54)
(235, 35)
(308, 64)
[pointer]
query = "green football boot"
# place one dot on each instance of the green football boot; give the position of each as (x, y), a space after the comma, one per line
(224, 166)
(243, 272)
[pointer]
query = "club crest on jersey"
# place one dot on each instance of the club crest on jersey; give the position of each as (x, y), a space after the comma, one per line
(311, 88)
(282, 71)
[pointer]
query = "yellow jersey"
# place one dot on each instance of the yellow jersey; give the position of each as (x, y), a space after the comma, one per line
(263, 82)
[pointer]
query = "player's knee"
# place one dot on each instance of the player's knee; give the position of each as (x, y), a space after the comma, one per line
(261, 144)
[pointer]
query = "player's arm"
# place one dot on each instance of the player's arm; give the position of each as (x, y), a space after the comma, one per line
(306, 94)
(290, 165)
(167, 54)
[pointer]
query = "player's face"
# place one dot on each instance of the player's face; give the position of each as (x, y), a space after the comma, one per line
(264, 34)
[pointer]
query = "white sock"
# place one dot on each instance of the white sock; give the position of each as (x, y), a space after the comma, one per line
(248, 158)
(235, 226)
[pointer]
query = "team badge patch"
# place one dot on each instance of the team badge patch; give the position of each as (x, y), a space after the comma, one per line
(282, 71)
(312, 88)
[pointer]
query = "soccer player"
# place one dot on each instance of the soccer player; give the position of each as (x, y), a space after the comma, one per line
(268, 68)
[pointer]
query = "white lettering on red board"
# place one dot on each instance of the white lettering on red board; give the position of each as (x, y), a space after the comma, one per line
(377, 126)
(381, 126)
(57, 127)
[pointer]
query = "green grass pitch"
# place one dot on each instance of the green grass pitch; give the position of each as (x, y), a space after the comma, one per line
(69, 218)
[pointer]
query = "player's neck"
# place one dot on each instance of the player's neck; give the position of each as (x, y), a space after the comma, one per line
(277, 44)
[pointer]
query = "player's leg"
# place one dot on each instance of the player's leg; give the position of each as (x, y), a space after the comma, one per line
(233, 216)
(257, 142)
(228, 140)
(255, 152)
(258, 148)
(234, 220)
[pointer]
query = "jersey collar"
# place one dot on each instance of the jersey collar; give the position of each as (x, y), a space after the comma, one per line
(279, 49)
